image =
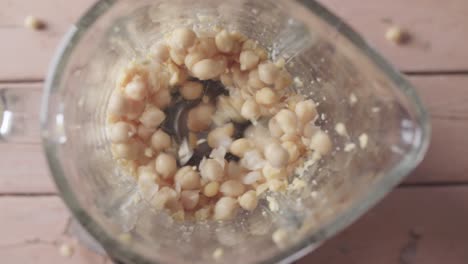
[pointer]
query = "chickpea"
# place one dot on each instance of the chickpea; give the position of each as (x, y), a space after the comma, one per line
(136, 89)
(226, 208)
(250, 110)
(292, 149)
(275, 129)
(287, 120)
(177, 56)
(234, 170)
(305, 111)
(189, 199)
(254, 80)
(211, 170)
(233, 188)
(224, 41)
(118, 104)
(207, 46)
(266, 96)
(134, 109)
(268, 72)
(193, 58)
(309, 129)
(130, 150)
(209, 69)
(200, 118)
(191, 90)
(182, 38)
(166, 165)
(270, 172)
(226, 79)
(145, 133)
(276, 155)
(165, 197)
(283, 80)
(248, 60)
(159, 52)
(187, 178)
(121, 132)
(162, 98)
(152, 117)
(211, 189)
(177, 75)
(160, 140)
(321, 143)
(248, 200)
(240, 146)
(220, 134)
(239, 77)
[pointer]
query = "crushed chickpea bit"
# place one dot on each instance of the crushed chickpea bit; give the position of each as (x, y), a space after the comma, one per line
(34, 23)
(363, 140)
(397, 35)
(66, 250)
(281, 132)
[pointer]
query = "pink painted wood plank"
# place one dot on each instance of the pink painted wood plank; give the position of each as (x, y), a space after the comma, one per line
(25, 53)
(438, 30)
(415, 234)
(445, 98)
(33, 229)
(411, 226)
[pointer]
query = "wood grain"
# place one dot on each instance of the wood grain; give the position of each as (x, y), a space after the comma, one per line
(33, 229)
(25, 53)
(410, 226)
(446, 160)
(416, 234)
(436, 30)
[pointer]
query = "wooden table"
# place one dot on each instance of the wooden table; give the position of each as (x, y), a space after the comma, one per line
(423, 221)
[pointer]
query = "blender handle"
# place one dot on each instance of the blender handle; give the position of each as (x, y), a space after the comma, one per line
(19, 114)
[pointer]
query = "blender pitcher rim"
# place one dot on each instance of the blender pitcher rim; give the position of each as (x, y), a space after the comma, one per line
(343, 219)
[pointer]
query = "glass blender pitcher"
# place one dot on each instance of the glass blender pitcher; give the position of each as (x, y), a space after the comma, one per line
(385, 123)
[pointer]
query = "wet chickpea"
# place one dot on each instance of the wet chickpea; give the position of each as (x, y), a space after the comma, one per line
(268, 72)
(166, 165)
(162, 98)
(287, 121)
(182, 38)
(226, 208)
(208, 69)
(232, 188)
(248, 60)
(266, 96)
(224, 41)
(187, 178)
(189, 199)
(159, 52)
(152, 117)
(240, 146)
(217, 136)
(160, 140)
(121, 132)
(200, 117)
(191, 90)
(211, 189)
(276, 155)
(321, 143)
(250, 110)
(211, 170)
(248, 200)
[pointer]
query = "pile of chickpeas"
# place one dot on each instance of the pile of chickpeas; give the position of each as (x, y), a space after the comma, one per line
(281, 132)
